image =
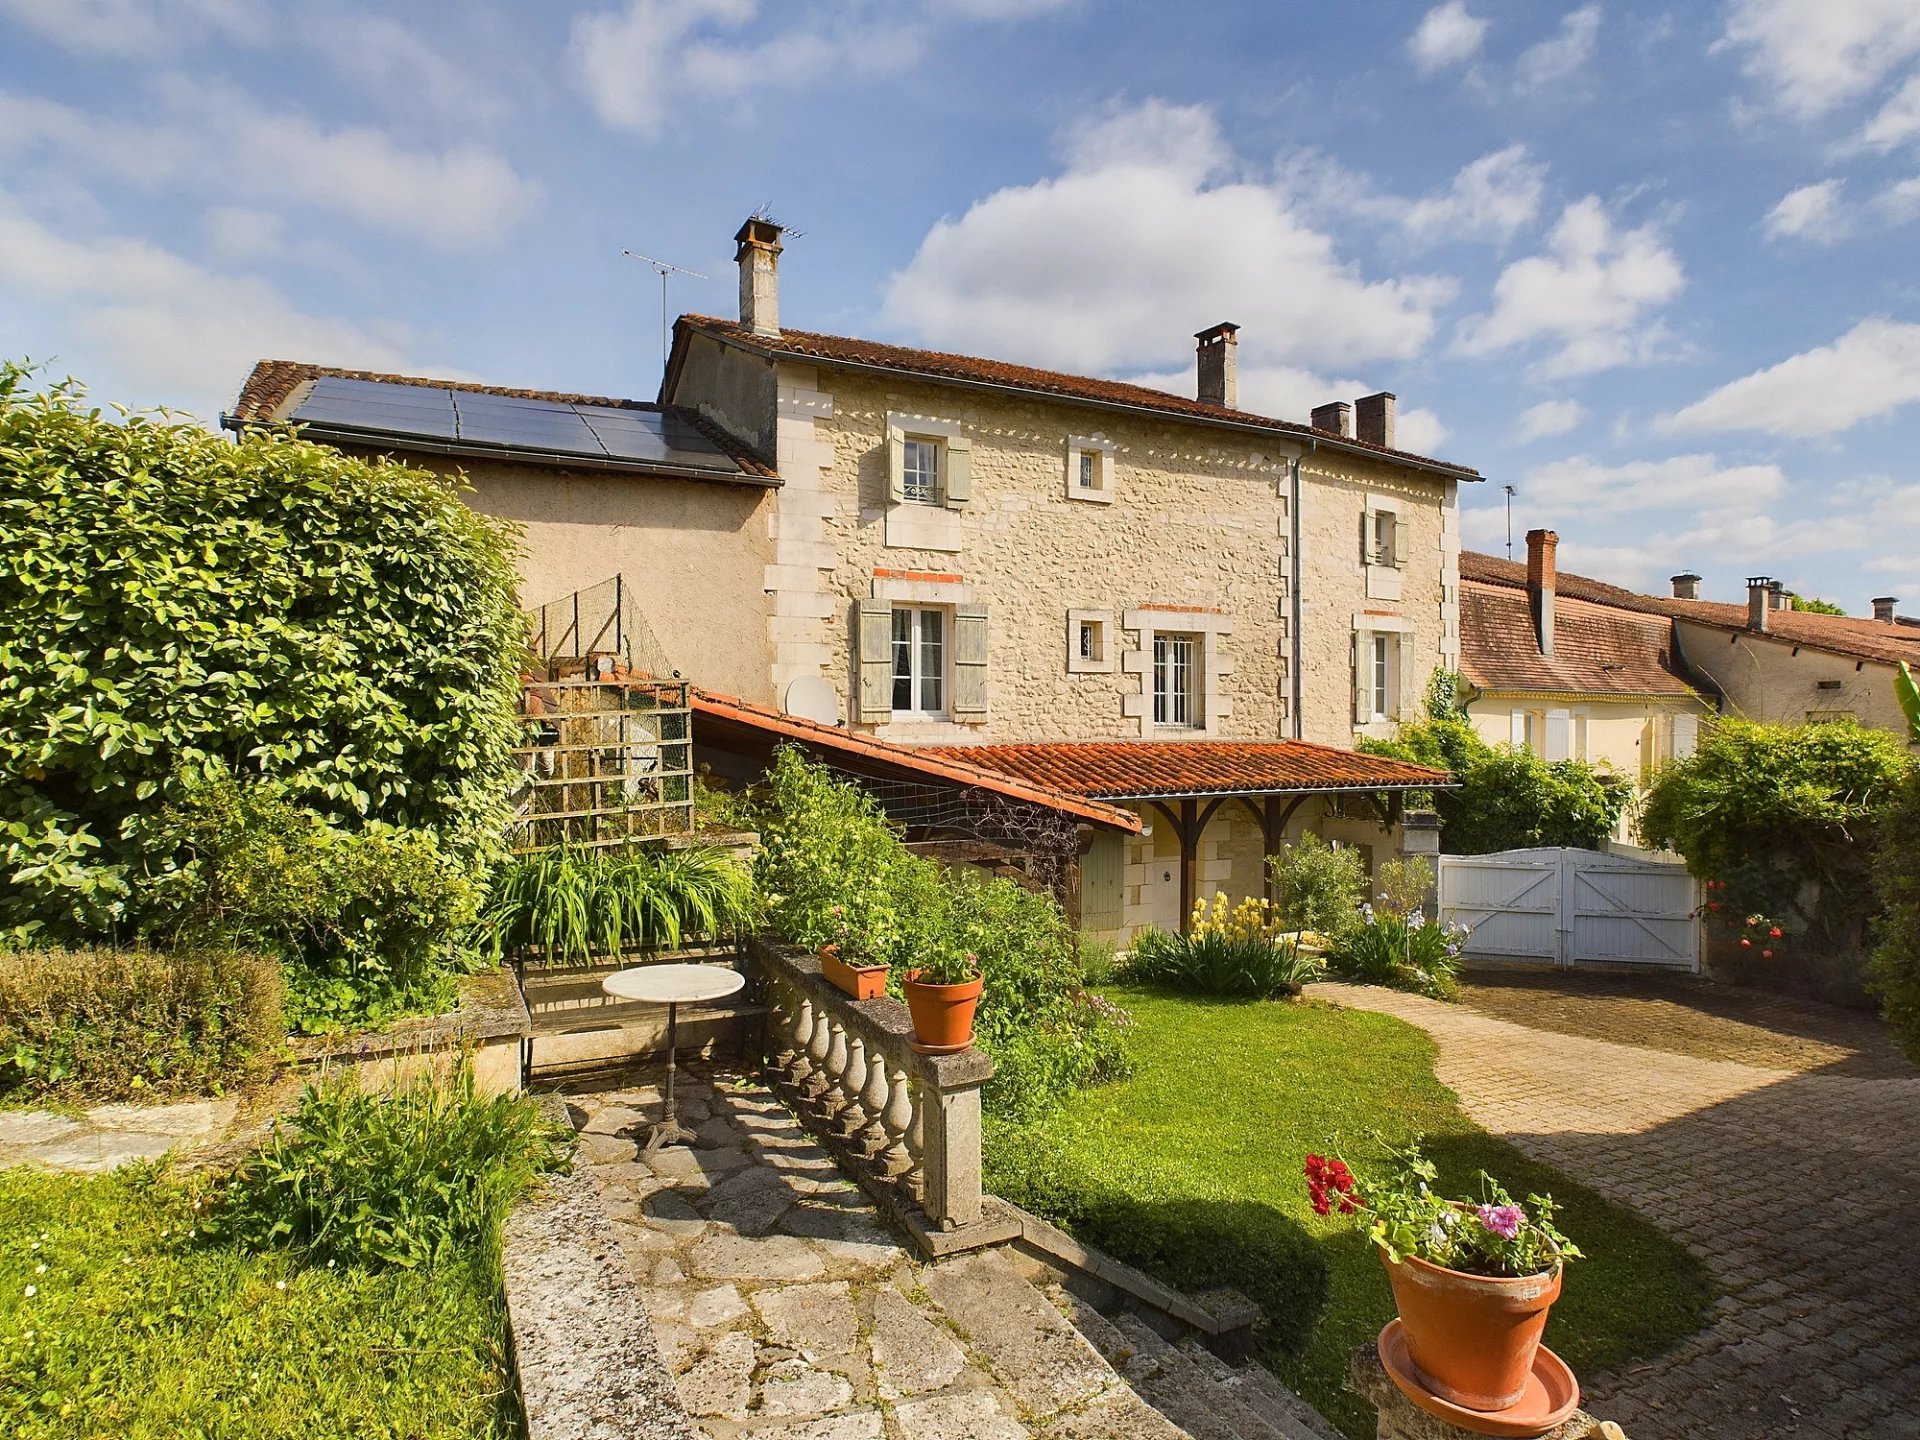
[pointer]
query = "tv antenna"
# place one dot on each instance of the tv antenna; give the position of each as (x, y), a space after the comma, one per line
(1509, 490)
(665, 270)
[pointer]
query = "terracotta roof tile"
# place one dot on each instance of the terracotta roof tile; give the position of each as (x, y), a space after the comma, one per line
(938, 365)
(1849, 635)
(942, 765)
(1130, 769)
(264, 397)
(1598, 649)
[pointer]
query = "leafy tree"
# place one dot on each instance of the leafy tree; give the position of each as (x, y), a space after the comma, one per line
(174, 606)
(1894, 973)
(1810, 605)
(1506, 798)
(1783, 821)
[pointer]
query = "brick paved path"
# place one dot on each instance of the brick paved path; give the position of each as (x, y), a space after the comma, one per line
(1799, 1189)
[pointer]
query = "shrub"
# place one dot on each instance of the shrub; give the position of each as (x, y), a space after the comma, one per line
(371, 923)
(1895, 969)
(405, 1178)
(122, 1024)
(1505, 798)
(1402, 950)
(1781, 821)
(1320, 886)
(570, 904)
(832, 868)
(1404, 886)
(1238, 951)
(171, 603)
(1099, 958)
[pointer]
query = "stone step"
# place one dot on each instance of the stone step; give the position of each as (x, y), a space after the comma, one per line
(1190, 1384)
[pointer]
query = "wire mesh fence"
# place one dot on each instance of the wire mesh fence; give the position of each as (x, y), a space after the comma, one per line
(605, 762)
(601, 621)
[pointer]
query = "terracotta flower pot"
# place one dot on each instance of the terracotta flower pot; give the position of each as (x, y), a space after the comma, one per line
(942, 1014)
(862, 982)
(1472, 1337)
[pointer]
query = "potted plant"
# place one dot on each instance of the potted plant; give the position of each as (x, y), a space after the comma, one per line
(846, 962)
(943, 993)
(1472, 1279)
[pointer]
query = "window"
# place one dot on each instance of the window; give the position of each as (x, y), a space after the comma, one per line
(1385, 546)
(919, 661)
(1089, 470)
(1090, 646)
(1175, 669)
(1376, 676)
(920, 477)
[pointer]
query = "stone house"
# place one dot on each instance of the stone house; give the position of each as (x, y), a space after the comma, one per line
(1555, 667)
(943, 551)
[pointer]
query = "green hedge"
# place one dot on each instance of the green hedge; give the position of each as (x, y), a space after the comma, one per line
(173, 605)
(1895, 969)
(101, 1025)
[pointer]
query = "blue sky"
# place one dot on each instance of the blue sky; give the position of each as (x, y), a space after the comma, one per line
(1652, 265)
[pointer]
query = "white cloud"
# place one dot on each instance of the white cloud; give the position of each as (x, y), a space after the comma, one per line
(1813, 54)
(1813, 212)
(1898, 120)
(238, 232)
(1492, 198)
(163, 327)
(1872, 370)
(642, 63)
(392, 62)
(135, 28)
(1549, 417)
(1420, 431)
(1554, 62)
(1146, 235)
(214, 138)
(1582, 482)
(1590, 295)
(1899, 202)
(1446, 36)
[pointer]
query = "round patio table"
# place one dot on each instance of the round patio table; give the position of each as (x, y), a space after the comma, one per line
(672, 986)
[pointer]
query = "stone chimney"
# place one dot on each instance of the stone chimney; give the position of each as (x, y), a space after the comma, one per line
(1883, 606)
(1777, 597)
(1686, 587)
(1759, 601)
(1373, 419)
(758, 256)
(1219, 367)
(1541, 571)
(1335, 417)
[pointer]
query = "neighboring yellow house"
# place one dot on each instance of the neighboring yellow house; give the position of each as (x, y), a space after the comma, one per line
(1550, 666)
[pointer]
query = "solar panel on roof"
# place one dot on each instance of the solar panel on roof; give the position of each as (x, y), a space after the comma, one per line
(513, 422)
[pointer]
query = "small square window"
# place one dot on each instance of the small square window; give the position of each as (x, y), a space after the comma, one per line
(920, 476)
(1089, 640)
(1089, 644)
(1089, 470)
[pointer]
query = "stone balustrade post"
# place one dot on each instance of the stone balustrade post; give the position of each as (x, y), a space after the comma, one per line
(951, 1186)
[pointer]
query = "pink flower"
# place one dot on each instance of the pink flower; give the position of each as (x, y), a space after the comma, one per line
(1501, 1220)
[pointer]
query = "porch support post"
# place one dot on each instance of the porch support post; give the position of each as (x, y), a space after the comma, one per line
(1189, 852)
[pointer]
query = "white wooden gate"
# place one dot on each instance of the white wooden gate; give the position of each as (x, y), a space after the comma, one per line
(1573, 907)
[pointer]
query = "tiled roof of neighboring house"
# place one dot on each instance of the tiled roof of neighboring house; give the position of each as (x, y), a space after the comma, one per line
(938, 365)
(273, 392)
(1852, 636)
(1597, 649)
(940, 766)
(1144, 769)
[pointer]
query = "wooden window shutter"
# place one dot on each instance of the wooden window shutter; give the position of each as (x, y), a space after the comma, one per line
(873, 632)
(1362, 677)
(1399, 543)
(1366, 537)
(896, 464)
(970, 662)
(1409, 696)
(959, 470)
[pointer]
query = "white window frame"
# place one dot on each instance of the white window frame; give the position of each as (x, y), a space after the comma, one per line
(917, 674)
(1383, 665)
(1106, 658)
(934, 450)
(1402, 687)
(1098, 451)
(1179, 667)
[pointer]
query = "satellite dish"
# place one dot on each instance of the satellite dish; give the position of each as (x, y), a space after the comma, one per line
(812, 698)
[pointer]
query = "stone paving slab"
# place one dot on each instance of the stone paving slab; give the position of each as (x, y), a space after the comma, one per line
(106, 1137)
(785, 1309)
(1800, 1192)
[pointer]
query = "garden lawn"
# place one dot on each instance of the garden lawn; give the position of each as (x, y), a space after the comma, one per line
(115, 1321)
(1191, 1170)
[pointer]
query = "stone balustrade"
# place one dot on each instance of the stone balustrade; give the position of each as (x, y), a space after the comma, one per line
(909, 1122)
